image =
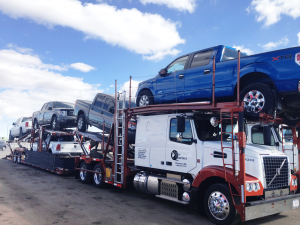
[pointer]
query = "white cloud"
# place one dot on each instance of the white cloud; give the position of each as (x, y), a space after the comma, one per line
(270, 11)
(298, 38)
(111, 85)
(243, 49)
(272, 45)
(82, 67)
(27, 83)
(128, 28)
(134, 87)
(182, 5)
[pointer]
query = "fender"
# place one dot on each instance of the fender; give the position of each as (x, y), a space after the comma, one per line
(218, 171)
(148, 84)
(260, 68)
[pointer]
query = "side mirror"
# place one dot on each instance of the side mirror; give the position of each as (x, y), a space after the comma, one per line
(179, 137)
(14, 123)
(163, 72)
(180, 124)
(50, 108)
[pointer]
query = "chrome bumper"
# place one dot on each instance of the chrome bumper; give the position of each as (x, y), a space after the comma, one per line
(271, 206)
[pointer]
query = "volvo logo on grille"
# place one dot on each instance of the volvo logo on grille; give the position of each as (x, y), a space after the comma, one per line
(277, 172)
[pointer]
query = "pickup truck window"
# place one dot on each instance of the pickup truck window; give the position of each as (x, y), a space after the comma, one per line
(26, 119)
(178, 64)
(44, 106)
(109, 105)
(62, 138)
(63, 105)
(201, 59)
(99, 101)
(187, 135)
(49, 105)
(231, 53)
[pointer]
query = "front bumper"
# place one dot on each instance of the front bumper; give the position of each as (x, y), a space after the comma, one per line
(68, 121)
(271, 206)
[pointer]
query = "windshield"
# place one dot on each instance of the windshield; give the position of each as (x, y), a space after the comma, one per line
(231, 53)
(26, 119)
(63, 105)
(206, 132)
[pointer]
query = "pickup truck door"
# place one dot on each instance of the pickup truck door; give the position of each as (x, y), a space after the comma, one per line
(40, 114)
(48, 112)
(198, 77)
(181, 155)
(16, 127)
(96, 110)
(108, 111)
(170, 87)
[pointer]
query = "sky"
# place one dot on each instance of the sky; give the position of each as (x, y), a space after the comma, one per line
(63, 50)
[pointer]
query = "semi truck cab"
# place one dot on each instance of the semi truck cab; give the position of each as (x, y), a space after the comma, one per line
(190, 167)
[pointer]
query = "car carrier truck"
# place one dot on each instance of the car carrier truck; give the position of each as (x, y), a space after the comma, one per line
(191, 154)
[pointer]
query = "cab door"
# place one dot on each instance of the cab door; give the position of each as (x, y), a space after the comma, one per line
(181, 154)
(96, 109)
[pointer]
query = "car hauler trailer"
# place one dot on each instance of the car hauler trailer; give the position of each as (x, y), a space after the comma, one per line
(23, 151)
(189, 153)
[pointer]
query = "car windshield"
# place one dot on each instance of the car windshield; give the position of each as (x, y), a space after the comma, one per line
(26, 119)
(63, 105)
(206, 132)
(231, 53)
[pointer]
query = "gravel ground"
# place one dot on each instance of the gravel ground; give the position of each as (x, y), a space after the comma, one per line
(32, 196)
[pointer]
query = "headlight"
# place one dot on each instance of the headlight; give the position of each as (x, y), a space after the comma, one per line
(252, 187)
(63, 113)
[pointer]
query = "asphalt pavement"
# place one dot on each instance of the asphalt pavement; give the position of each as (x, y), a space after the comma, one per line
(32, 196)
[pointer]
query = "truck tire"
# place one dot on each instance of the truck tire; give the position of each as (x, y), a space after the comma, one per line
(21, 133)
(218, 205)
(81, 124)
(19, 159)
(84, 176)
(98, 178)
(258, 98)
(290, 119)
(54, 123)
(144, 98)
(15, 158)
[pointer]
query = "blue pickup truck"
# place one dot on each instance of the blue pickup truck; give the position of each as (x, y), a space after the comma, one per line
(269, 81)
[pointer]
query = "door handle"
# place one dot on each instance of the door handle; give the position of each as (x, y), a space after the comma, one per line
(207, 71)
(219, 155)
(181, 76)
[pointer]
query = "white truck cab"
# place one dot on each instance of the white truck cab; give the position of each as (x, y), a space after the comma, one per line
(188, 166)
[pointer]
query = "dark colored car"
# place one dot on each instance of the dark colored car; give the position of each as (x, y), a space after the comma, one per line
(268, 81)
(2, 145)
(102, 108)
(56, 114)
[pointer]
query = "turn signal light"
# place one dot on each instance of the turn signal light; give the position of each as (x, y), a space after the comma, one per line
(58, 147)
(26, 124)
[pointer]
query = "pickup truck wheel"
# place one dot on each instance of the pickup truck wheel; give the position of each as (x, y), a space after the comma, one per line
(258, 98)
(290, 119)
(218, 205)
(145, 98)
(54, 123)
(81, 124)
(15, 157)
(84, 176)
(21, 133)
(98, 178)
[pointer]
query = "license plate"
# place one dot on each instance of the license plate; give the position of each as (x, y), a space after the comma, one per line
(295, 203)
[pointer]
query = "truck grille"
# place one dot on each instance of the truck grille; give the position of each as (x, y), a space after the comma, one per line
(272, 165)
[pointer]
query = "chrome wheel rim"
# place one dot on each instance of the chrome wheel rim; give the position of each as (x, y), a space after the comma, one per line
(218, 205)
(80, 123)
(83, 173)
(19, 159)
(144, 100)
(254, 101)
(97, 176)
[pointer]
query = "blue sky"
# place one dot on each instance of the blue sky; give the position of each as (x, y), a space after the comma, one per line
(70, 49)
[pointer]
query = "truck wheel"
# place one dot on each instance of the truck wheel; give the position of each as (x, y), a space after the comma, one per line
(218, 205)
(145, 98)
(258, 98)
(81, 124)
(98, 178)
(54, 123)
(84, 176)
(290, 119)
(21, 133)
